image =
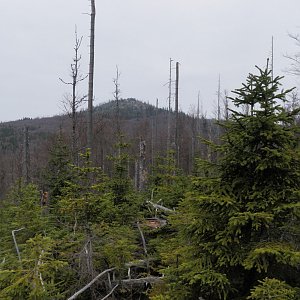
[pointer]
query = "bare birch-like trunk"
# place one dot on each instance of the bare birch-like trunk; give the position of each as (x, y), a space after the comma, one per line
(169, 107)
(176, 114)
(91, 77)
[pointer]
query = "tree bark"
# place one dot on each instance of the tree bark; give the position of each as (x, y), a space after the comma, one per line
(91, 77)
(176, 114)
(26, 156)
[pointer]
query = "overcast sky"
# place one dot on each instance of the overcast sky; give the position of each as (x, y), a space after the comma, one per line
(207, 37)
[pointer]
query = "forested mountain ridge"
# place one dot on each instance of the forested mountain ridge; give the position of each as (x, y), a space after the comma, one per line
(138, 121)
(129, 108)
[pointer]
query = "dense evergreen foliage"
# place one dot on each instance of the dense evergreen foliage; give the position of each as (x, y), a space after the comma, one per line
(239, 224)
(230, 231)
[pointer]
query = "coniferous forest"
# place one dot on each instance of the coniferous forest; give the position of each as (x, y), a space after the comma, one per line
(126, 200)
(149, 226)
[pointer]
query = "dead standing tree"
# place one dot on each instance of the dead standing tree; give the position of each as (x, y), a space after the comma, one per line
(116, 95)
(141, 171)
(169, 107)
(177, 115)
(71, 104)
(91, 78)
(26, 157)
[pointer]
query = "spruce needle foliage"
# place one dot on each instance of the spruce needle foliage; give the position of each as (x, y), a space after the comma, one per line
(271, 288)
(241, 225)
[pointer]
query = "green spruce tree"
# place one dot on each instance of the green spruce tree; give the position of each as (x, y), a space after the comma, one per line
(241, 226)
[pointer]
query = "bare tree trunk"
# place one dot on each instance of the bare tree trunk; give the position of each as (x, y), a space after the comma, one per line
(196, 133)
(219, 109)
(152, 140)
(144, 246)
(74, 83)
(26, 156)
(272, 57)
(117, 92)
(226, 106)
(136, 175)
(176, 115)
(76, 76)
(71, 105)
(142, 167)
(169, 107)
(156, 125)
(219, 99)
(91, 78)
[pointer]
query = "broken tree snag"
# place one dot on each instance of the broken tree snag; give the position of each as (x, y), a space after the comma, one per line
(90, 284)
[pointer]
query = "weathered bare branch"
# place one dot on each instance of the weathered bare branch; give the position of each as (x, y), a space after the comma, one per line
(143, 238)
(148, 279)
(134, 281)
(144, 245)
(65, 81)
(15, 242)
(138, 263)
(161, 207)
(110, 292)
(82, 78)
(90, 284)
